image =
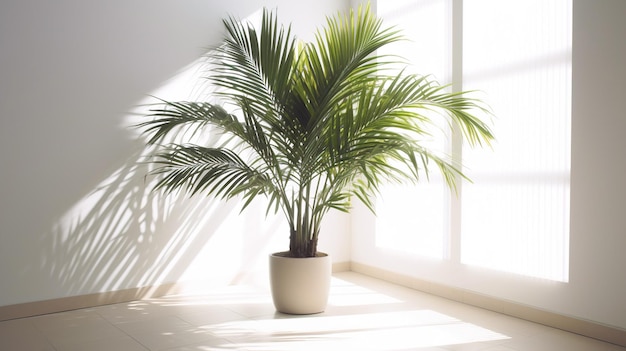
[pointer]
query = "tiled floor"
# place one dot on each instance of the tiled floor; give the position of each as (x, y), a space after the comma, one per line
(363, 314)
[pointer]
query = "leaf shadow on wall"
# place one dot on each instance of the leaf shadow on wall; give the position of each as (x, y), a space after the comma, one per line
(123, 235)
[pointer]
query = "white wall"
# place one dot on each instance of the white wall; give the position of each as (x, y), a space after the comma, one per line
(75, 214)
(597, 285)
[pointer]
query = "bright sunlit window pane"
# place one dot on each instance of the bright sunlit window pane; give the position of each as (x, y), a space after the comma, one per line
(515, 217)
(415, 219)
(412, 219)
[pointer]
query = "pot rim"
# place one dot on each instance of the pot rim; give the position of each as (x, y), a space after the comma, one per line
(284, 254)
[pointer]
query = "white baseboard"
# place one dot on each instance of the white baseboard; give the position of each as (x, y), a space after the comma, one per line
(37, 308)
(583, 327)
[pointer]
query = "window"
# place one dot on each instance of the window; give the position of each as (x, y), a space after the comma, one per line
(417, 227)
(514, 217)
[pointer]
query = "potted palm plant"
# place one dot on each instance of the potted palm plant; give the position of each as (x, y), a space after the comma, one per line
(310, 126)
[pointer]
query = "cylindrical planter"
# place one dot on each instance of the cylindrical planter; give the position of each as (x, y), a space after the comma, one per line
(300, 285)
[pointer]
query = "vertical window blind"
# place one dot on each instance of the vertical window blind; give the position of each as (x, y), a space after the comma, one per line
(515, 217)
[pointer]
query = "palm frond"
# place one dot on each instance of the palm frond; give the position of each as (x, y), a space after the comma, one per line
(320, 123)
(216, 171)
(172, 115)
(342, 59)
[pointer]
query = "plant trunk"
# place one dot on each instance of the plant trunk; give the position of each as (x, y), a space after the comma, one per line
(301, 249)
(312, 248)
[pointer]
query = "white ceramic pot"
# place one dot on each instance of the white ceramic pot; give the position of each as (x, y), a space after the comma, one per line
(300, 285)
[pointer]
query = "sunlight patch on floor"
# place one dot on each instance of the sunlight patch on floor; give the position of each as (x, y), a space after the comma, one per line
(371, 331)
